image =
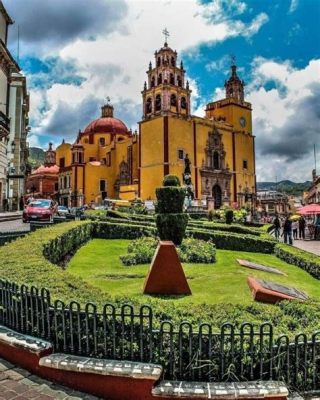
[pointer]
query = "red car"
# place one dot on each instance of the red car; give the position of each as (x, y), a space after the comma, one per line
(39, 210)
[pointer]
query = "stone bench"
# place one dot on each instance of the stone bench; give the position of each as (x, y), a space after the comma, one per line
(221, 390)
(24, 350)
(109, 379)
(102, 367)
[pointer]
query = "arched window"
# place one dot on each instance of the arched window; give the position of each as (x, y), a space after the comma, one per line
(173, 61)
(173, 100)
(158, 102)
(102, 141)
(159, 79)
(65, 184)
(183, 103)
(179, 81)
(158, 62)
(149, 105)
(216, 160)
(153, 81)
(171, 79)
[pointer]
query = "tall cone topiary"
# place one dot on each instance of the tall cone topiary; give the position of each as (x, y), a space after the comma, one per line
(170, 219)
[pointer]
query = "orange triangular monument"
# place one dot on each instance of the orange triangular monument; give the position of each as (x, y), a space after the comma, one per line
(166, 275)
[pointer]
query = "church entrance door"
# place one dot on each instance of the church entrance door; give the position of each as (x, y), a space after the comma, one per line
(217, 196)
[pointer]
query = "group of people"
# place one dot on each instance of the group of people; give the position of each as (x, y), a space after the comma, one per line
(290, 229)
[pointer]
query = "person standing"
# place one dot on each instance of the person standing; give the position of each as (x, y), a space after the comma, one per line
(295, 226)
(277, 225)
(317, 227)
(287, 231)
(302, 227)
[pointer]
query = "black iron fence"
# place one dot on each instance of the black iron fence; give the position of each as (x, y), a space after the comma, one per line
(127, 333)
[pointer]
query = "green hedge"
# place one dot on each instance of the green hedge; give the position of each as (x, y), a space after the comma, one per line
(307, 261)
(23, 262)
(109, 230)
(233, 241)
(234, 228)
(67, 243)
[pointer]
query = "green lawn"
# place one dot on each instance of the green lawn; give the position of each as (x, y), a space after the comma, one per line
(223, 282)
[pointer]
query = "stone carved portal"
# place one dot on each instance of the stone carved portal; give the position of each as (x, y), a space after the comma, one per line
(215, 175)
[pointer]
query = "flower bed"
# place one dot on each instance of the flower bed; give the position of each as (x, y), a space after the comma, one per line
(191, 250)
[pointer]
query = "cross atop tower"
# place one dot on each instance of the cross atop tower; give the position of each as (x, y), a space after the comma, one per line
(166, 35)
(232, 59)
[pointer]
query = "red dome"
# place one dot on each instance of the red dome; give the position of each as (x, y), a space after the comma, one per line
(53, 169)
(107, 125)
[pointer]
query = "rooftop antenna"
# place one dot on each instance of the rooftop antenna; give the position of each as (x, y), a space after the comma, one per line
(315, 158)
(18, 45)
(232, 59)
(166, 35)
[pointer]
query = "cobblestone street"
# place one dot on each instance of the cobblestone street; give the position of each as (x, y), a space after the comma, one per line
(17, 383)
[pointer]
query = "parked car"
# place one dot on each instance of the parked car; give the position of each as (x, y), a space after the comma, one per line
(39, 210)
(78, 212)
(63, 211)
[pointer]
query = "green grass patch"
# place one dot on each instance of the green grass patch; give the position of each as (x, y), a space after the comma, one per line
(222, 282)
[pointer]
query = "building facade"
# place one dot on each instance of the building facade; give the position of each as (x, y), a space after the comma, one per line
(272, 202)
(42, 183)
(108, 160)
(312, 195)
(14, 108)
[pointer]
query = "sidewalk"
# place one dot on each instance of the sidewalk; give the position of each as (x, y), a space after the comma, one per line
(312, 246)
(17, 383)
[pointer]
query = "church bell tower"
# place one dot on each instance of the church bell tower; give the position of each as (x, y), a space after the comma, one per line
(166, 91)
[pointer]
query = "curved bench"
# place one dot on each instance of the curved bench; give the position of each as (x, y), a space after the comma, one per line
(221, 390)
(24, 350)
(126, 380)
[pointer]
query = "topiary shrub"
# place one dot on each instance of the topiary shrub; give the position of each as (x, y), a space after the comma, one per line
(170, 199)
(229, 216)
(171, 221)
(171, 180)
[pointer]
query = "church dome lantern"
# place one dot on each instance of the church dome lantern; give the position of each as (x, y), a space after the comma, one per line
(107, 123)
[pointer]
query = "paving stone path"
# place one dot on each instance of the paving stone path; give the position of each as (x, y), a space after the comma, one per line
(313, 246)
(17, 383)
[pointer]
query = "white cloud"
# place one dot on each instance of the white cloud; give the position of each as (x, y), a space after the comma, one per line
(286, 118)
(114, 64)
(293, 6)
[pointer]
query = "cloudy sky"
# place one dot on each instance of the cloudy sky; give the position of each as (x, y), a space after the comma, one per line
(75, 53)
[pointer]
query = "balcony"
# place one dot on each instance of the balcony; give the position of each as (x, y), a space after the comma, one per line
(4, 125)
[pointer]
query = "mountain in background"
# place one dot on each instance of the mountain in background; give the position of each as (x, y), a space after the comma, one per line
(36, 157)
(286, 186)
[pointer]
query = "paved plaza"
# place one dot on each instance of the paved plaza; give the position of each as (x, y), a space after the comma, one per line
(313, 246)
(17, 383)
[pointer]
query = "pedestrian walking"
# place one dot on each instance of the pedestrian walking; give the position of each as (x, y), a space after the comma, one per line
(277, 226)
(287, 231)
(302, 227)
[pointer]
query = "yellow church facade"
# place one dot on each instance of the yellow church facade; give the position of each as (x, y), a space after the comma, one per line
(109, 161)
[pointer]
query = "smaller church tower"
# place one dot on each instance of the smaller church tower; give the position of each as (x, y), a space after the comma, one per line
(234, 85)
(166, 91)
(50, 157)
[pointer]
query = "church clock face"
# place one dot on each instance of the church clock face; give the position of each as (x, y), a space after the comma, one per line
(242, 121)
